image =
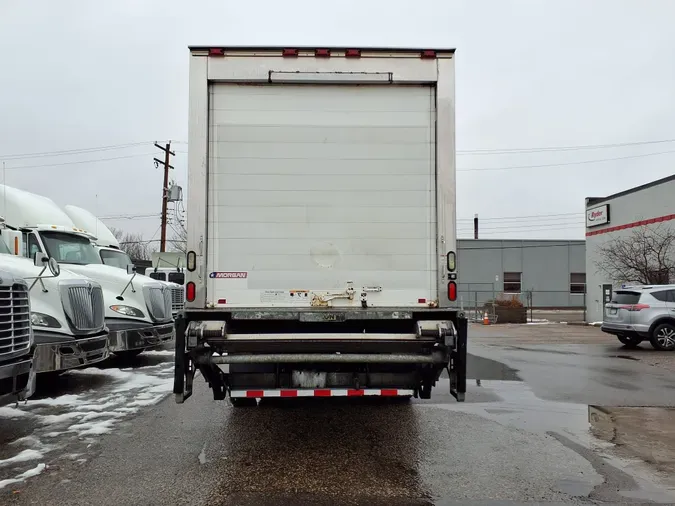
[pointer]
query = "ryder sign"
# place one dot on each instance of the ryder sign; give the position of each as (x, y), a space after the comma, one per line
(597, 216)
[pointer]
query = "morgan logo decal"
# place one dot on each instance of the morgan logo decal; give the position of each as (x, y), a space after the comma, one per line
(229, 275)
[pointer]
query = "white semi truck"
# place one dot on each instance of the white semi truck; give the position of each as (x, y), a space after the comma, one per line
(65, 311)
(321, 224)
(137, 308)
(110, 253)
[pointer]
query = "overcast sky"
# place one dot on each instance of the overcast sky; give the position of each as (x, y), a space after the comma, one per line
(530, 74)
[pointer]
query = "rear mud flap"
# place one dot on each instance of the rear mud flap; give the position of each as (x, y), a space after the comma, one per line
(457, 370)
(183, 374)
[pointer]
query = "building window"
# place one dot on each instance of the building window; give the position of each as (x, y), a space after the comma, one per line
(512, 282)
(578, 282)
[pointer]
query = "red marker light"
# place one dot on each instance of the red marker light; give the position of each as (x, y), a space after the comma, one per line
(428, 54)
(190, 291)
(452, 291)
(289, 52)
(353, 53)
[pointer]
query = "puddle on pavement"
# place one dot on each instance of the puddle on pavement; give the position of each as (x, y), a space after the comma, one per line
(645, 433)
(640, 441)
(480, 368)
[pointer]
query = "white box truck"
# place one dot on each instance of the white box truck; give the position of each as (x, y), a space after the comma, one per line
(321, 224)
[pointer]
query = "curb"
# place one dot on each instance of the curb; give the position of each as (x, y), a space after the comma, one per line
(584, 324)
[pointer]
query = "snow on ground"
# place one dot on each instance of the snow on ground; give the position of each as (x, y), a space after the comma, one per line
(85, 405)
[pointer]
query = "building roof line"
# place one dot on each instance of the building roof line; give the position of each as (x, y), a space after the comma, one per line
(591, 201)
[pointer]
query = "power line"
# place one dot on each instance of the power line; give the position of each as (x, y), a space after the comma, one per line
(529, 226)
(131, 217)
(78, 162)
(559, 164)
(558, 148)
(73, 151)
(521, 217)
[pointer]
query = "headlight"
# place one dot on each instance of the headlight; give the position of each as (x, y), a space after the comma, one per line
(128, 311)
(44, 320)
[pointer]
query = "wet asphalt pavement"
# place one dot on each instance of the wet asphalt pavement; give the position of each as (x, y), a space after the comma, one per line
(554, 423)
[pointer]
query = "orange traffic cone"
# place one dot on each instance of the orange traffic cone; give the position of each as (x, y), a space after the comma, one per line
(486, 319)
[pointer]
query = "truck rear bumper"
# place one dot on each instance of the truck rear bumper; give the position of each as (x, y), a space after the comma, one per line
(357, 353)
(140, 338)
(58, 353)
(17, 380)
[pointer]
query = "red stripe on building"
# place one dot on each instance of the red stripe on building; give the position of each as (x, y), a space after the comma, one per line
(640, 223)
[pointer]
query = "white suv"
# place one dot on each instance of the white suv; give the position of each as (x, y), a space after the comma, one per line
(642, 312)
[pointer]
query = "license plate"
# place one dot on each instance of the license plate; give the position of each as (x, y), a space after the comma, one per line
(322, 316)
(613, 310)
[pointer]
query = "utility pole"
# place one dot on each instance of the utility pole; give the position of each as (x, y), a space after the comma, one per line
(165, 188)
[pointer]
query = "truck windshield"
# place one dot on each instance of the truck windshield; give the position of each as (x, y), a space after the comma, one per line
(69, 248)
(4, 249)
(115, 258)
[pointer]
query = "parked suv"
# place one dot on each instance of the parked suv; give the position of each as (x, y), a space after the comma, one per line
(643, 312)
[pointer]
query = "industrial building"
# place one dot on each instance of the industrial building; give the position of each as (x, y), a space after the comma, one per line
(540, 273)
(619, 216)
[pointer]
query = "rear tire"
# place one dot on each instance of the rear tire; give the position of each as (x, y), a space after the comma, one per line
(629, 341)
(243, 402)
(663, 337)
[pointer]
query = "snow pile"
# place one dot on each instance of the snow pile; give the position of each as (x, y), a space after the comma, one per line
(24, 476)
(80, 418)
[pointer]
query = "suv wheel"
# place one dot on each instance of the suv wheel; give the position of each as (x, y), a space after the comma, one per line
(663, 337)
(629, 341)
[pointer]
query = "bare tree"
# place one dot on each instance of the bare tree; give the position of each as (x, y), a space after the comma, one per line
(179, 240)
(133, 244)
(646, 256)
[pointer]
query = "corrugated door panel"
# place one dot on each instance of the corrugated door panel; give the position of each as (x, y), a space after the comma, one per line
(314, 186)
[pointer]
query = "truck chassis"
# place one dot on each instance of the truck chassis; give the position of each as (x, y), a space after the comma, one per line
(266, 351)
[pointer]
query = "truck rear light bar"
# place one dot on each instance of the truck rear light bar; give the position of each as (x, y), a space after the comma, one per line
(322, 392)
(426, 54)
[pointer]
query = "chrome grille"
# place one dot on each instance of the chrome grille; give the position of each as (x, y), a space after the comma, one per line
(177, 299)
(159, 303)
(87, 309)
(15, 329)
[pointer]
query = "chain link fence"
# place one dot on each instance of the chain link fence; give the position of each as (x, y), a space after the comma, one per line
(476, 299)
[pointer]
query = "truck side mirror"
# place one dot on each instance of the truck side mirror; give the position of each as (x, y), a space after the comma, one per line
(54, 267)
(40, 259)
(131, 269)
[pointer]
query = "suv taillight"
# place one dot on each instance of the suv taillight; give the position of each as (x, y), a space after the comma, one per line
(635, 307)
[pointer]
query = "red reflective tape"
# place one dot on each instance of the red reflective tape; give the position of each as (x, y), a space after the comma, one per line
(289, 52)
(641, 223)
(288, 393)
(428, 54)
(255, 393)
(322, 393)
(353, 53)
(324, 53)
(388, 393)
(216, 52)
(355, 393)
